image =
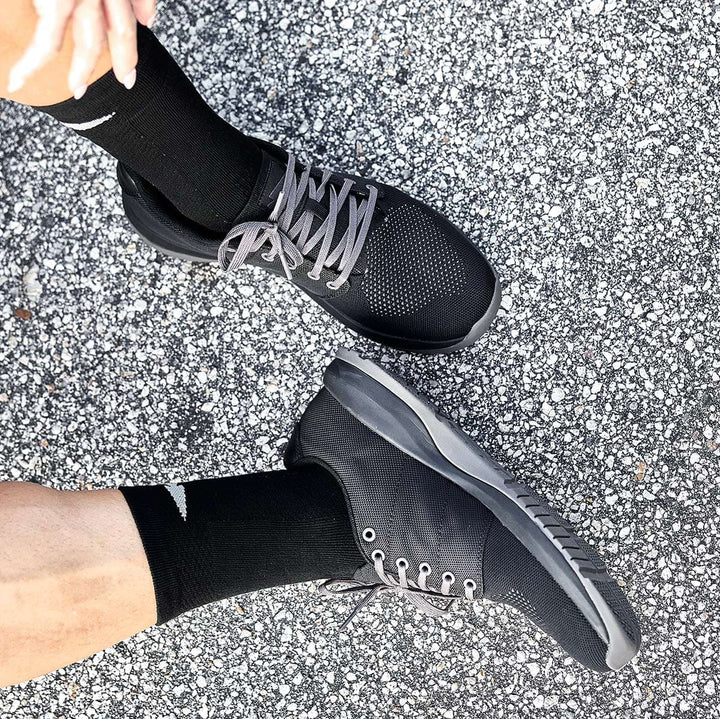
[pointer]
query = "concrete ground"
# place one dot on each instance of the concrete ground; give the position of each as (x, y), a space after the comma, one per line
(578, 144)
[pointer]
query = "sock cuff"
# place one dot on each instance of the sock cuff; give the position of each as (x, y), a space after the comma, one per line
(159, 519)
(215, 538)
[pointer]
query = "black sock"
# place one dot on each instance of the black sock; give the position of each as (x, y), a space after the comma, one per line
(166, 132)
(216, 538)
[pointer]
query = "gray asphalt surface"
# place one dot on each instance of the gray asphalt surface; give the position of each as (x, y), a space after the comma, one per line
(578, 144)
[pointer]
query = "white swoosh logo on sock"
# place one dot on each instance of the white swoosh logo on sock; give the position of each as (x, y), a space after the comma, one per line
(80, 126)
(177, 492)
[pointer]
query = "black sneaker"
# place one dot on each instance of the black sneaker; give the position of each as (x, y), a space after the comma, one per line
(437, 518)
(384, 264)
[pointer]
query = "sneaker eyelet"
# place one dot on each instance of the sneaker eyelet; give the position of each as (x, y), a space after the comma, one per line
(425, 568)
(449, 577)
(332, 286)
(470, 584)
(368, 534)
(402, 563)
(378, 555)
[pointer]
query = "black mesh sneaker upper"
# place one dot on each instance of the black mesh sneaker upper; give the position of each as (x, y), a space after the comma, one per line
(410, 263)
(421, 516)
(423, 277)
(415, 513)
(513, 576)
(419, 283)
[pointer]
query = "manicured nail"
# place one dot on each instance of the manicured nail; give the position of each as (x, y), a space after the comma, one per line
(15, 82)
(130, 79)
(152, 20)
(80, 91)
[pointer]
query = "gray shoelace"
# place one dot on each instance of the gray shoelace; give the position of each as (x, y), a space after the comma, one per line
(418, 593)
(292, 242)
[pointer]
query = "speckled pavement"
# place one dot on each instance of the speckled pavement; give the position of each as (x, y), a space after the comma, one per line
(578, 144)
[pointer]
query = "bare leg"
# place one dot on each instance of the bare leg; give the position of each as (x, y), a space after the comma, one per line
(49, 86)
(73, 577)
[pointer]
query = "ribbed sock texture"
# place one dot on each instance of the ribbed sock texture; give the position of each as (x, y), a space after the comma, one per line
(166, 132)
(240, 534)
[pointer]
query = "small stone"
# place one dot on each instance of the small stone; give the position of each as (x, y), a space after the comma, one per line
(33, 288)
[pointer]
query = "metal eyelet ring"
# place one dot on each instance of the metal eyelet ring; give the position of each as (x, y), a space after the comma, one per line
(449, 577)
(378, 555)
(425, 568)
(402, 563)
(368, 534)
(470, 584)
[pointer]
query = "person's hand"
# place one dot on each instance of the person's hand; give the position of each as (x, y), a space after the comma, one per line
(94, 23)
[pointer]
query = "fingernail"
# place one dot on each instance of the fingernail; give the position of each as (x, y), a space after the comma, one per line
(15, 82)
(152, 20)
(80, 91)
(130, 79)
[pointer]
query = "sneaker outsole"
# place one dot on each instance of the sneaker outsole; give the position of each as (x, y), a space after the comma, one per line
(407, 420)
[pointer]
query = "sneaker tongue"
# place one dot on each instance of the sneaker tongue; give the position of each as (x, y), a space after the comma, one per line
(266, 190)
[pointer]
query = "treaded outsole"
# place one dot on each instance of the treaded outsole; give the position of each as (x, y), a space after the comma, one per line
(570, 560)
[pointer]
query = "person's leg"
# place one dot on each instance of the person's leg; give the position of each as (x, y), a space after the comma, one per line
(74, 578)
(161, 128)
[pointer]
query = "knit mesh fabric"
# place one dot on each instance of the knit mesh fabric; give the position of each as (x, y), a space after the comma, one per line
(415, 513)
(423, 277)
(410, 263)
(513, 576)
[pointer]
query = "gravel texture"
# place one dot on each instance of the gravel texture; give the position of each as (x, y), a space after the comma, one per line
(578, 144)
